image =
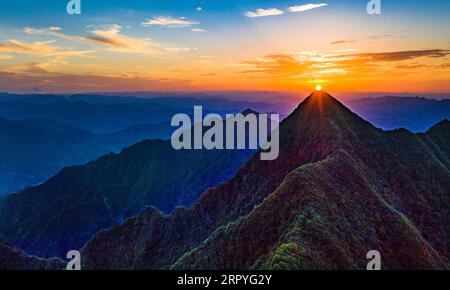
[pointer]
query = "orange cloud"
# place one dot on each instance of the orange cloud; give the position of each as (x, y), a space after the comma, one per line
(43, 48)
(351, 70)
(36, 79)
(342, 41)
(376, 37)
(403, 55)
(107, 35)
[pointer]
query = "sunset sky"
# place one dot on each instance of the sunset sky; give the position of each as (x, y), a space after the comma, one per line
(193, 45)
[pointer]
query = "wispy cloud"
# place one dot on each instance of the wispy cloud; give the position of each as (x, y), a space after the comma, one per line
(402, 55)
(308, 64)
(53, 30)
(306, 7)
(4, 56)
(42, 48)
(373, 37)
(264, 12)
(376, 37)
(444, 65)
(342, 41)
(179, 49)
(411, 66)
(346, 50)
(36, 78)
(110, 36)
(36, 31)
(277, 64)
(198, 30)
(13, 45)
(275, 11)
(168, 21)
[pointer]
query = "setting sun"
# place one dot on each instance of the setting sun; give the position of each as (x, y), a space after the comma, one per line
(318, 88)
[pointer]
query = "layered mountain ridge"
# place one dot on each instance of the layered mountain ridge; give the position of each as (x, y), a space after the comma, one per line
(33, 150)
(340, 188)
(63, 213)
(12, 258)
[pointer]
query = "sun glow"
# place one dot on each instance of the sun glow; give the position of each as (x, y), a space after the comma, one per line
(318, 88)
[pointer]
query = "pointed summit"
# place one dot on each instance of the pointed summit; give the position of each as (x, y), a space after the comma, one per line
(319, 126)
(443, 126)
(322, 104)
(249, 111)
(440, 133)
(338, 181)
(336, 177)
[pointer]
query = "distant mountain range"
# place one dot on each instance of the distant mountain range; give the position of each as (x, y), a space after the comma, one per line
(91, 117)
(340, 188)
(12, 258)
(65, 212)
(41, 134)
(413, 113)
(108, 114)
(33, 150)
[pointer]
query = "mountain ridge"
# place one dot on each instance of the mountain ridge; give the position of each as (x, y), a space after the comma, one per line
(64, 212)
(327, 127)
(339, 181)
(34, 150)
(390, 112)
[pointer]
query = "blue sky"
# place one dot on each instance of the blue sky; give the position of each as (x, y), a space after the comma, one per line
(219, 45)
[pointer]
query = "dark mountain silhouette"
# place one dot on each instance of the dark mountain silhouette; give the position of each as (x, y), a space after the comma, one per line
(33, 150)
(102, 114)
(161, 130)
(339, 189)
(440, 135)
(32, 154)
(97, 118)
(414, 113)
(63, 213)
(12, 258)
(249, 111)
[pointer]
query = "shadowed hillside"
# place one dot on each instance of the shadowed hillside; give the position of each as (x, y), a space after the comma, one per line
(414, 113)
(66, 211)
(31, 151)
(339, 189)
(12, 258)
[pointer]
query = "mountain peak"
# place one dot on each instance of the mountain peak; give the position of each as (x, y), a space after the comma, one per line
(249, 111)
(323, 99)
(443, 125)
(336, 176)
(321, 108)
